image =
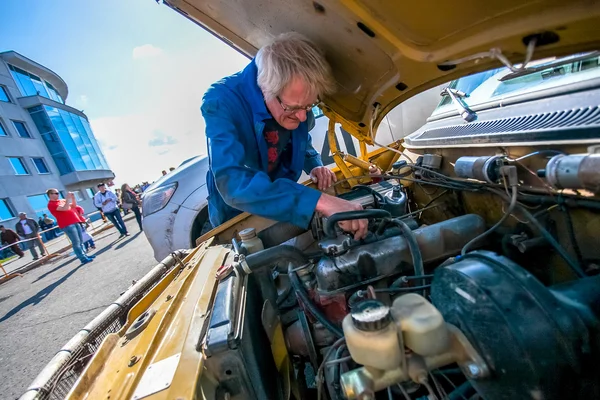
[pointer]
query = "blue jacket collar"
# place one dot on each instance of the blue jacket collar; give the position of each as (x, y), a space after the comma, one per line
(254, 94)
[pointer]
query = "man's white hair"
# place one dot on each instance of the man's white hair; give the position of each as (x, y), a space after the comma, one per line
(292, 55)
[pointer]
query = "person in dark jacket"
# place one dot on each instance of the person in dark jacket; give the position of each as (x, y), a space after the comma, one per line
(257, 124)
(8, 236)
(131, 200)
(27, 228)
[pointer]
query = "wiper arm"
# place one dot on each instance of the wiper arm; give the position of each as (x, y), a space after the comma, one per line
(552, 64)
(456, 95)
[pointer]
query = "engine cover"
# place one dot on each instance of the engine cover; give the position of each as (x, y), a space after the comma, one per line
(364, 264)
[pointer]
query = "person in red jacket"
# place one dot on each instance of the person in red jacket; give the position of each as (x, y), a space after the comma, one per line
(67, 218)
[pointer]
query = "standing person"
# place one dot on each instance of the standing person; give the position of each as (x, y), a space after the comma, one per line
(43, 227)
(131, 200)
(68, 220)
(8, 236)
(88, 241)
(257, 124)
(49, 224)
(29, 229)
(109, 204)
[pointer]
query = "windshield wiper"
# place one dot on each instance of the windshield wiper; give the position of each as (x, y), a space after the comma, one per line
(551, 64)
(463, 109)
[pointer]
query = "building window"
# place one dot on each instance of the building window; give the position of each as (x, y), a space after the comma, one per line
(90, 192)
(2, 130)
(22, 129)
(317, 112)
(78, 195)
(39, 203)
(76, 148)
(4, 94)
(31, 85)
(18, 165)
(40, 165)
(5, 210)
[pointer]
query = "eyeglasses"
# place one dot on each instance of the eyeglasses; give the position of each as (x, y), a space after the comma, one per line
(53, 192)
(293, 109)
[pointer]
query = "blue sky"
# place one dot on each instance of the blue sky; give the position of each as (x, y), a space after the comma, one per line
(136, 68)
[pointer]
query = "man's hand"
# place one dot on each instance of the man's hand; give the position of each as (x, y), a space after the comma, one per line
(323, 177)
(329, 205)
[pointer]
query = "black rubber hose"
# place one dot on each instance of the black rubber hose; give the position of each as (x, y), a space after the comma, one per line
(237, 248)
(301, 292)
(547, 235)
(413, 246)
(271, 256)
(351, 215)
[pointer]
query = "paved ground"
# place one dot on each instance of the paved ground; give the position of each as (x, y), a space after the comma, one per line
(47, 306)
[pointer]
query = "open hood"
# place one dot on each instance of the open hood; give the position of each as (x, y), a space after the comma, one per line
(387, 51)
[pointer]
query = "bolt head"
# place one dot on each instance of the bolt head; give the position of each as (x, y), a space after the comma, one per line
(366, 396)
(473, 370)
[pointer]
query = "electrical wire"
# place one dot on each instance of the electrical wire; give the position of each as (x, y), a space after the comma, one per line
(319, 377)
(402, 289)
(389, 393)
(511, 207)
(535, 153)
(439, 387)
(338, 361)
(404, 392)
(547, 235)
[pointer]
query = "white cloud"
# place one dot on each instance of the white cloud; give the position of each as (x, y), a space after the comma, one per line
(146, 51)
(166, 126)
(83, 99)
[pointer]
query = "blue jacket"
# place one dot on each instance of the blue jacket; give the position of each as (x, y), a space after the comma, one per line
(234, 111)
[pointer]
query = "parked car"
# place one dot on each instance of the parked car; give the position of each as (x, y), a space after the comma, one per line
(480, 273)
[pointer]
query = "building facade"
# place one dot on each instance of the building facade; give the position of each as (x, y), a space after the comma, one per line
(44, 143)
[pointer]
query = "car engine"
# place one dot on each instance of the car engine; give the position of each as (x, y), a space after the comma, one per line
(441, 300)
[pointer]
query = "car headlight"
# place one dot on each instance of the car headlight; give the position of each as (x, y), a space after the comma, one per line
(157, 199)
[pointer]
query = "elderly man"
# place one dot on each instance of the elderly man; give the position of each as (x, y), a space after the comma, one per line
(27, 228)
(257, 124)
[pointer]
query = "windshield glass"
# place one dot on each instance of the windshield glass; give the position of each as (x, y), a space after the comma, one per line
(551, 72)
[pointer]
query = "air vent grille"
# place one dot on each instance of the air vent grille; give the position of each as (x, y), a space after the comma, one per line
(579, 117)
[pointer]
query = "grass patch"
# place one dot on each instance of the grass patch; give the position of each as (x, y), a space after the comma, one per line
(4, 260)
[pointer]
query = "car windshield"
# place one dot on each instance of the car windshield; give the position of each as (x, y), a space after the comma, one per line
(501, 83)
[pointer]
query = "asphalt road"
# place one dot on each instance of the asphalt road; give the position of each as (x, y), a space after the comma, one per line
(42, 310)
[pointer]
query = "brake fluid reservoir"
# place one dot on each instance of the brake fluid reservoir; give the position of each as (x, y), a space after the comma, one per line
(250, 241)
(371, 335)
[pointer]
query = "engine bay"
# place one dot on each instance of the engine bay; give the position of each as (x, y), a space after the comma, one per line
(475, 281)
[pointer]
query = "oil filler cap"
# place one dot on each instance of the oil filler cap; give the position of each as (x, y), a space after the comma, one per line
(371, 315)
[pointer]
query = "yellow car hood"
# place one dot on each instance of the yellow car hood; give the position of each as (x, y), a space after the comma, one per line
(385, 51)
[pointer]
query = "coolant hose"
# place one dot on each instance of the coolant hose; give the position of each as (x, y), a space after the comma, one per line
(301, 292)
(275, 254)
(413, 246)
(351, 215)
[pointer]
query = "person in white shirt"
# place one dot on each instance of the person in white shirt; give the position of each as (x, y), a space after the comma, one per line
(27, 228)
(107, 200)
